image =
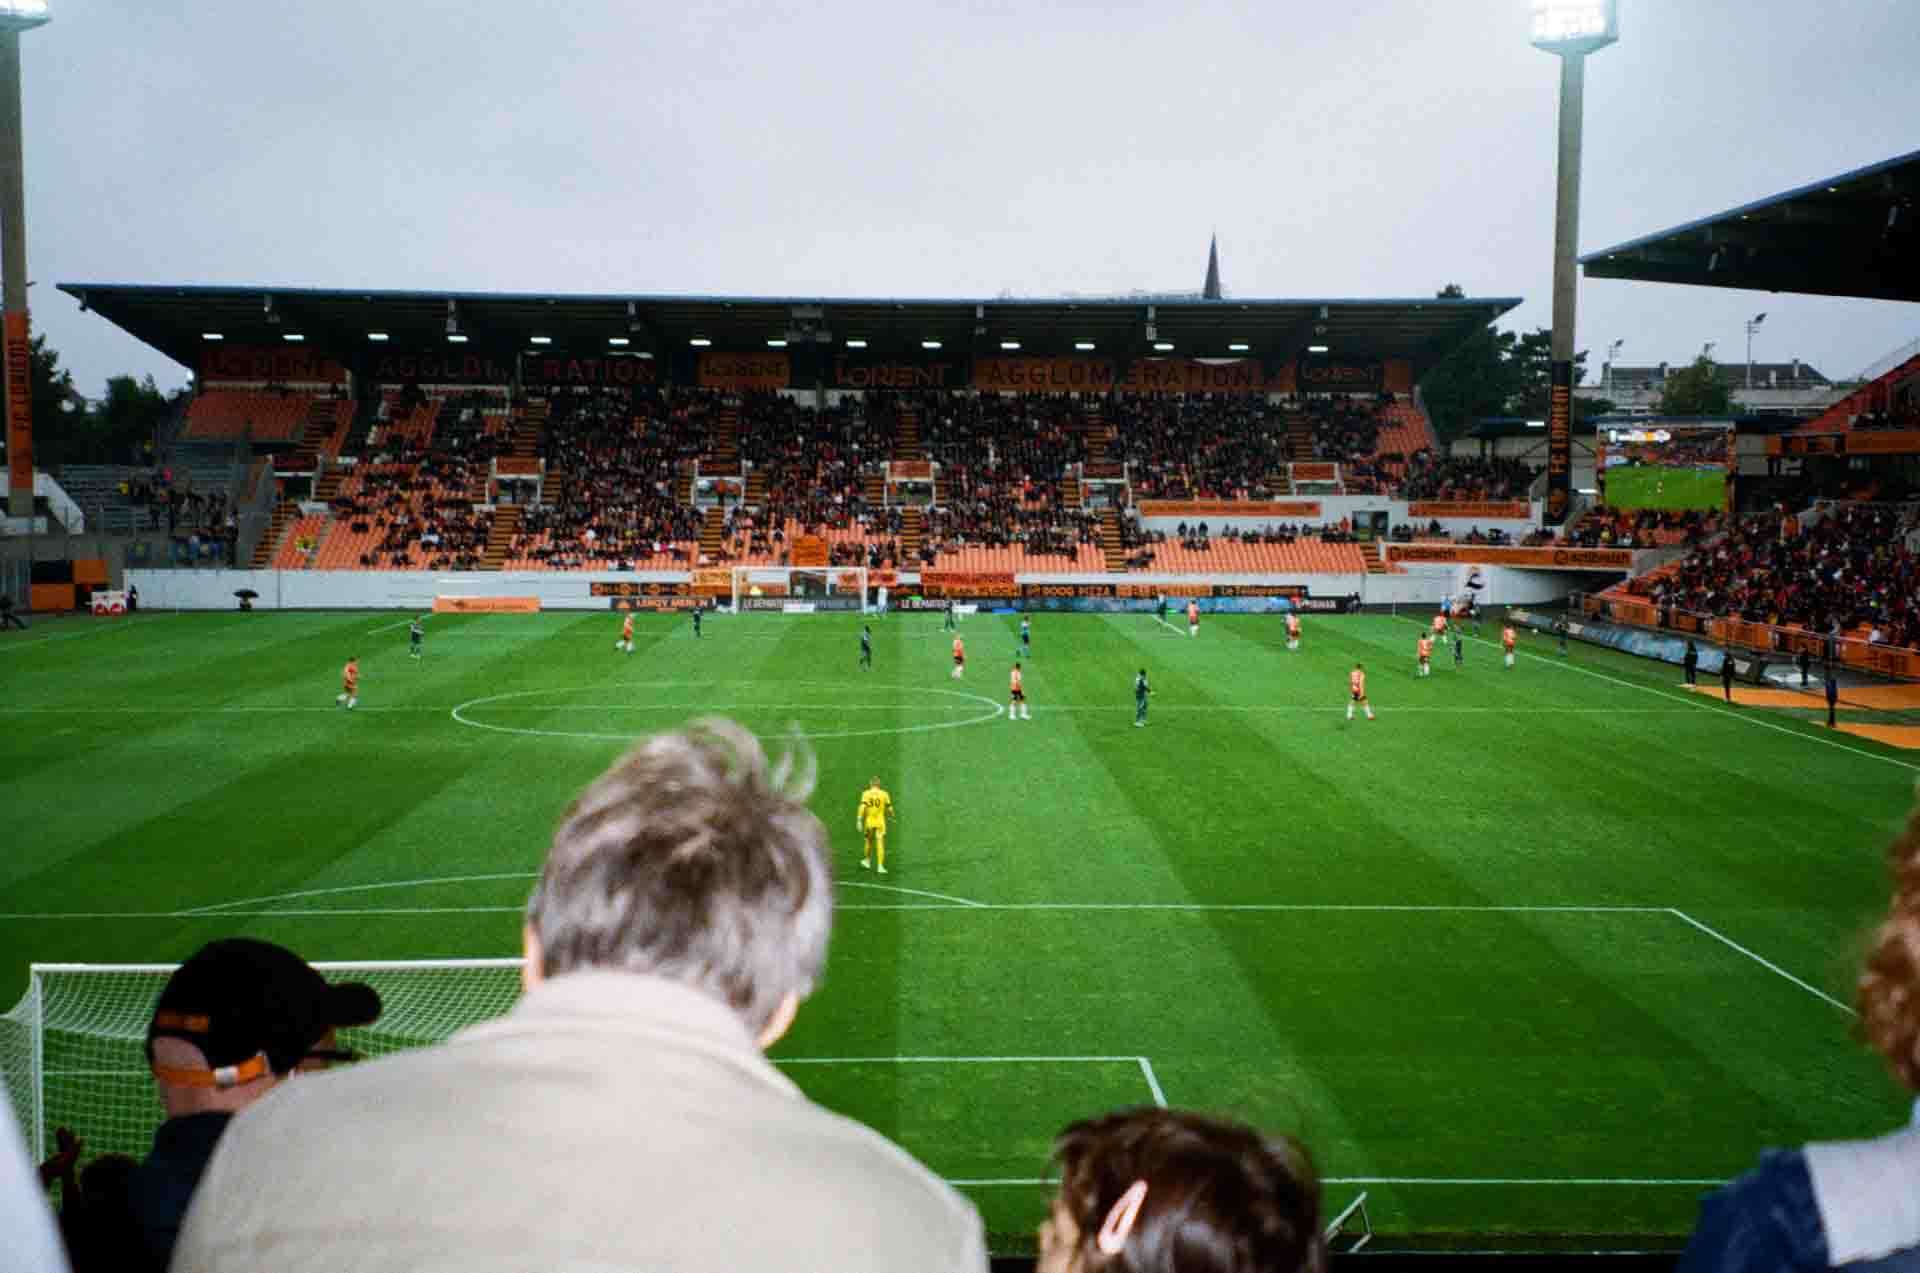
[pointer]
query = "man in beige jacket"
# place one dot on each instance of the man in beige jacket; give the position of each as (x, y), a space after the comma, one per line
(622, 1116)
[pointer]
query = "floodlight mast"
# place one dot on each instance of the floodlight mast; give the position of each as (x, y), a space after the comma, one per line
(1569, 29)
(15, 16)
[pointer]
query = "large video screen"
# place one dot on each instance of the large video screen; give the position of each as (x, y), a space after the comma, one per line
(1665, 466)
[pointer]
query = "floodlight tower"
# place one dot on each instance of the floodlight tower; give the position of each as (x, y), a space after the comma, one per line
(1571, 29)
(15, 16)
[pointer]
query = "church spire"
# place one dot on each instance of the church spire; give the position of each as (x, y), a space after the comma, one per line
(1211, 291)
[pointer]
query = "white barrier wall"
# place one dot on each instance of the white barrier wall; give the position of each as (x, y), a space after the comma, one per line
(1335, 507)
(416, 590)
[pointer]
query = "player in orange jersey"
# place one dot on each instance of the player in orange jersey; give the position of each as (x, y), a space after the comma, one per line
(349, 697)
(1439, 625)
(1193, 618)
(626, 634)
(1506, 642)
(1293, 630)
(1423, 655)
(1017, 697)
(959, 657)
(1357, 686)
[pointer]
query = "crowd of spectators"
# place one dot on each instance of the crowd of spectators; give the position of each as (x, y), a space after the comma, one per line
(612, 456)
(1429, 476)
(1198, 446)
(1605, 527)
(1846, 569)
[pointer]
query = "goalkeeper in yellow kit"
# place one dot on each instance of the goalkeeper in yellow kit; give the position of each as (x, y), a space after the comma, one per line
(876, 806)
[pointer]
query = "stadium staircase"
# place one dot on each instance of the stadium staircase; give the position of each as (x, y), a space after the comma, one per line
(323, 423)
(1072, 494)
(723, 442)
(1111, 545)
(529, 422)
(683, 488)
(1375, 559)
(913, 533)
(327, 489)
(283, 516)
(874, 488)
(1095, 434)
(500, 536)
(941, 491)
(1279, 485)
(756, 489)
(906, 435)
(713, 532)
(1299, 437)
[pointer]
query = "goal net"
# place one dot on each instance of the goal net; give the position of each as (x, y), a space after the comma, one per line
(799, 589)
(73, 1050)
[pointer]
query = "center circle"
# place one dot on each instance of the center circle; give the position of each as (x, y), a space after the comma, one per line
(752, 698)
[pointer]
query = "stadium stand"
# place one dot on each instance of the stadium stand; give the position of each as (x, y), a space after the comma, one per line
(263, 416)
(1842, 569)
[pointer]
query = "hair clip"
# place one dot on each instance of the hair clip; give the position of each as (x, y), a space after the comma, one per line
(1119, 1222)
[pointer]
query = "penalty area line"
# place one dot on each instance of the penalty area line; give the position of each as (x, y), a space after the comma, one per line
(1768, 964)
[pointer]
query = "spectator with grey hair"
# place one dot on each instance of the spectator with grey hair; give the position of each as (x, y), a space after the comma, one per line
(622, 1115)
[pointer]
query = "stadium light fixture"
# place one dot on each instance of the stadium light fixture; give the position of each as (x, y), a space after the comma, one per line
(929, 344)
(1536, 424)
(292, 337)
(456, 338)
(1576, 27)
(856, 343)
(700, 342)
(1083, 344)
(618, 342)
(1238, 347)
(541, 340)
(376, 336)
(774, 342)
(1010, 345)
(1316, 349)
(1164, 346)
(212, 336)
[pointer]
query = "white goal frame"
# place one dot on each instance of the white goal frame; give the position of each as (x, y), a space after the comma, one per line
(778, 583)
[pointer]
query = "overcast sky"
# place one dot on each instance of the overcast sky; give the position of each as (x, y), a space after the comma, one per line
(898, 147)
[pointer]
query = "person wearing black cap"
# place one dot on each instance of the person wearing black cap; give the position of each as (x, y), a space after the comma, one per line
(233, 1022)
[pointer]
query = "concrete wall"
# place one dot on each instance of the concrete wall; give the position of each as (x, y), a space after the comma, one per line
(415, 590)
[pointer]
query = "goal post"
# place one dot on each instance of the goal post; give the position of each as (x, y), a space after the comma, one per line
(73, 1050)
(799, 589)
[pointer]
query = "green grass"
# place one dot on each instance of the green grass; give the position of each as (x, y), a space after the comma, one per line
(1655, 486)
(1391, 938)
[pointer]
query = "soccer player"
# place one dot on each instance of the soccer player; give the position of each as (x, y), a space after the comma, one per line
(1560, 629)
(1293, 630)
(1459, 649)
(1026, 637)
(866, 646)
(1506, 642)
(1017, 697)
(1141, 691)
(626, 634)
(1423, 655)
(876, 806)
(959, 657)
(1160, 609)
(349, 697)
(951, 623)
(696, 622)
(1193, 618)
(1440, 625)
(415, 635)
(1357, 686)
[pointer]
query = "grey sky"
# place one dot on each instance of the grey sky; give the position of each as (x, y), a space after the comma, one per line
(1368, 148)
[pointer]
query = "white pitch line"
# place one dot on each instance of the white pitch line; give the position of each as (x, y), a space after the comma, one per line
(1153, 1082)
(914, 892)
(1694, 698)
(361, 888)
(388, 627)
(955, 1060)
(1768, 964)
(11, 646)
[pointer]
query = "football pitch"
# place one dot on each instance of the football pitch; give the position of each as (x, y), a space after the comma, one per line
(1539, 952)
(1660, 486)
